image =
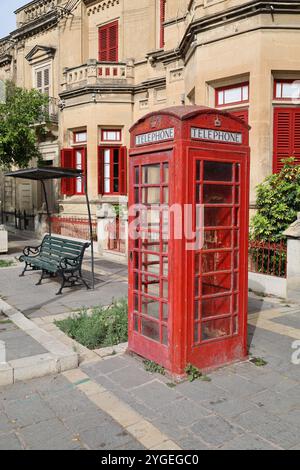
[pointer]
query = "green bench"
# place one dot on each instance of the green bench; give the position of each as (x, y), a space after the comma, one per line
(57, 257)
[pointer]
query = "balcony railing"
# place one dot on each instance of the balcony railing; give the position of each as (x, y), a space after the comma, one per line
(50, 112)
(94, 73)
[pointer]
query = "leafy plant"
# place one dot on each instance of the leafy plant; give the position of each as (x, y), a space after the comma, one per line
(19, 133)
(258, 362)
(102, 328)
(194, 373)
(154, 368)
(278, 202)
(5, 264)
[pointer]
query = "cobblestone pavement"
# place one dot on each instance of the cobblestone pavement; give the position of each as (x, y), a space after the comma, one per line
(18, 344)
(50, 413)
(115, 404)
(243, 407)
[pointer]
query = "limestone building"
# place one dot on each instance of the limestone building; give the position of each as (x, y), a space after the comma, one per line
(106, 63)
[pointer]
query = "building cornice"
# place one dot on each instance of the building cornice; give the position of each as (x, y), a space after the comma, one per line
(234, 14)
(113, 88)
(5, 59)
(46, 21)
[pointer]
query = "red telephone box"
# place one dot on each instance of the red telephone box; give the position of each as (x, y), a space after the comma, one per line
(188, 238)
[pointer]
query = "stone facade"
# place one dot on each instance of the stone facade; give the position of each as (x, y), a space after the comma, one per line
(181, 52)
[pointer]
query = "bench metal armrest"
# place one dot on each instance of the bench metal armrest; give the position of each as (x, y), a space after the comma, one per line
(69, 263)
(32, 251)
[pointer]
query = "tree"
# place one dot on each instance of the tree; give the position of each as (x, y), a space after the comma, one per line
(20, 113)
(278, 202)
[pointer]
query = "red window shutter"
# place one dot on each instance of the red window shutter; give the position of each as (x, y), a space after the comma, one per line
(296, 150)
(113, 43)
(109, 42)
(68, 161)
(123, 171)
(283, 136)
(100, 171)
(243, 115)
(84, 167)
(103, 44)
(162, 20)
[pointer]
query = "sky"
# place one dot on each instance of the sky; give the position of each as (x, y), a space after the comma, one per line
(7, 16)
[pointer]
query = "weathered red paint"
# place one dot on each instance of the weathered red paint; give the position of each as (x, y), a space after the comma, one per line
(190, 337)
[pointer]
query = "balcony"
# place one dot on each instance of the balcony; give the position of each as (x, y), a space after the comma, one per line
(95, 73)
(51, 111)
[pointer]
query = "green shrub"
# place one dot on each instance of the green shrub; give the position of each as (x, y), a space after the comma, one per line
(278, 202)
(104, 327)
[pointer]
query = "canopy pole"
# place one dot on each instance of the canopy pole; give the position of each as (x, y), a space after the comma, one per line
(91, 231)
(47, 206)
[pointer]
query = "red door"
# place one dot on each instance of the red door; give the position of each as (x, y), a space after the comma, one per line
(216, 327)
(149, 265)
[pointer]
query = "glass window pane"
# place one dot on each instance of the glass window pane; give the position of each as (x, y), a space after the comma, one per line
(165, 312)
(151, 286)
(218, 261)
(220, 97)
(217, 216)
(233, 95)
(214, 239)
(216, 284)
(218, 171)
(151, 196)
(214, 194)
(136, 322)
(278, 90)
(165, 339)
(150, 307)
(216, 329)
(151, 174)
(151, 263)
(107, 156)
(137, 175)
(287, 90)
(245, 93)
(150, 329)
(216, 306)
(106, 171)
(107, 186)
(166, 172)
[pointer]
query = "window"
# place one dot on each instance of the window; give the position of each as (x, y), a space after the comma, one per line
(79, 137)
(112, 170)
(162, 20)
(42, 80)
(287, 89)
(108, 42)
(234, 94)
(286, 136)
(75, 158)
(111, 135)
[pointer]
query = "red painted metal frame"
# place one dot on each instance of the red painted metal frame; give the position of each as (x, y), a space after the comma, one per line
(68, 186)
(230, 87)
(181, 154)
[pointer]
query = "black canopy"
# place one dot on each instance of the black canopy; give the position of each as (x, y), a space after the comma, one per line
(43, 174)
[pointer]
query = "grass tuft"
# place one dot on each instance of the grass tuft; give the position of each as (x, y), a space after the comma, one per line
(102, 328)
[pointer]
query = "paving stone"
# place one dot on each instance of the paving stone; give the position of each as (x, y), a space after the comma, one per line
(270, 427)
(192, 442)
(248, 442)
(214, 430)
(28, 410)
(155, 394)
(237, 385)
(276, 403)
(184, 412)
(275, 381)
(105, 366)
(131, 377)
(201, 391)
(19, 390)
(131, 445)
(10, 442)
(229, 408)
(68, 404)
(5, 425)
(86, 421)
(105, 437)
